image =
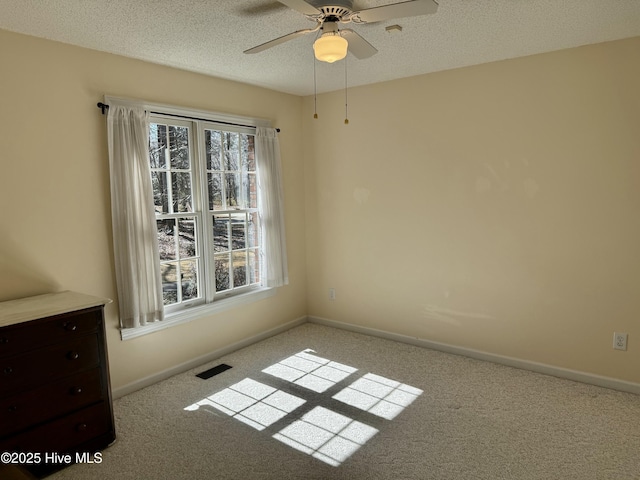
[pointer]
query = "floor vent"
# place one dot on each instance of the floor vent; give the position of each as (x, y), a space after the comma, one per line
(213, 371)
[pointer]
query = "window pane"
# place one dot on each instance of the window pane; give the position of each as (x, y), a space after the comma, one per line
(215, 191)
(232, 183)
(254, 266)
(252, 235)
(189, 276)
(222, 272)
(187, 237)
(166, 238)
(179, 147)
(169, 283)
(248, 153)
(239, 269)
(160, 192)
(231, 152)
(213, 146)
(220, 233)
(181, 183)
(238, 234)
(157, 145)
(251, 190)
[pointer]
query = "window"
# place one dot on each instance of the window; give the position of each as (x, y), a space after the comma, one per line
(205, 191)
(197, 213)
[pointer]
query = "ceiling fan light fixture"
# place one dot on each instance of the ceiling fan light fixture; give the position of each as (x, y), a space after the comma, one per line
(330, 47)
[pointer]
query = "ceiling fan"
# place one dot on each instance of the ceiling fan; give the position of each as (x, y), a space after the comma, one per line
(333, 43)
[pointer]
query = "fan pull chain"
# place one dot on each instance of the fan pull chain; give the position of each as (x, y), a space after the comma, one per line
(315, 90)
(346, 98)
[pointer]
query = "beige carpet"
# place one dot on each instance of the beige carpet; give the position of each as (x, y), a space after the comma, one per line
(339, 405)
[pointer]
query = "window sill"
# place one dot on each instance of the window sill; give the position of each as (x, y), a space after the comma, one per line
(200, 311)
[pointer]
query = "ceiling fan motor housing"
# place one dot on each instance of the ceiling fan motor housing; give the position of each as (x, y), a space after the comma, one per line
(337, 9)
(320, 4)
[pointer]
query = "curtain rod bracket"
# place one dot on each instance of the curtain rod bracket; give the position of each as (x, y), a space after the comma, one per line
(104, 107)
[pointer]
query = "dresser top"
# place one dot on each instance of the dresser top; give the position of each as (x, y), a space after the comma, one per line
(49, 304)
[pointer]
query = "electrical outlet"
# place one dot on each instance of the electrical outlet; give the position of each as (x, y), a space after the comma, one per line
(332, 294)
(620, 341)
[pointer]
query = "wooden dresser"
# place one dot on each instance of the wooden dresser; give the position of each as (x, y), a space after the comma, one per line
(55, 396)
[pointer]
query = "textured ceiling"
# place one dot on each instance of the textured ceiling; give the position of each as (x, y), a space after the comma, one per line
(209, 36)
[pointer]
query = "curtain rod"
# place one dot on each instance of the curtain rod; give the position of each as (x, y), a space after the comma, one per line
(104, 107)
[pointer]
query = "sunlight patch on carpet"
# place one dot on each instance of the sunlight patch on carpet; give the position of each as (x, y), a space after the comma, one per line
(251, 402)
(322, 433)
(326, 435)
(378, 395)
(310, 371)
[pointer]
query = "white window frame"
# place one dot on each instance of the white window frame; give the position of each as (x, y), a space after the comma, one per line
(206, 306)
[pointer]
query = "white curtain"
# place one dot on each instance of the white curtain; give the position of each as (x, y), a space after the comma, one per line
(274, 270)
(135, 241)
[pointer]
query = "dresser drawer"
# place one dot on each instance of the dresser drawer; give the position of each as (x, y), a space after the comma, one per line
(51, 363)
(64, 434)
(50, 401)
(32, 335)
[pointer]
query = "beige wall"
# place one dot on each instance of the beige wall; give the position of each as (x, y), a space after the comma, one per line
(55, 232)
(494, 207)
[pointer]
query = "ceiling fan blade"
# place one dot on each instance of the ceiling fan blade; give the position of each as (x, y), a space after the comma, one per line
(261, 9)
(358, 45)
(279, 40)
(396, 10)
(301, 6)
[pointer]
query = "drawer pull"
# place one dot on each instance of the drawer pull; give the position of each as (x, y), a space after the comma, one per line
(4, 340)
(70, 327)
(13, 408)
(75, 390)
(8, 370)
(81, 427)
(73, 355)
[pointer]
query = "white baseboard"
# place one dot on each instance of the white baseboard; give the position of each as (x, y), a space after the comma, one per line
(566, 373)
(183, 367)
